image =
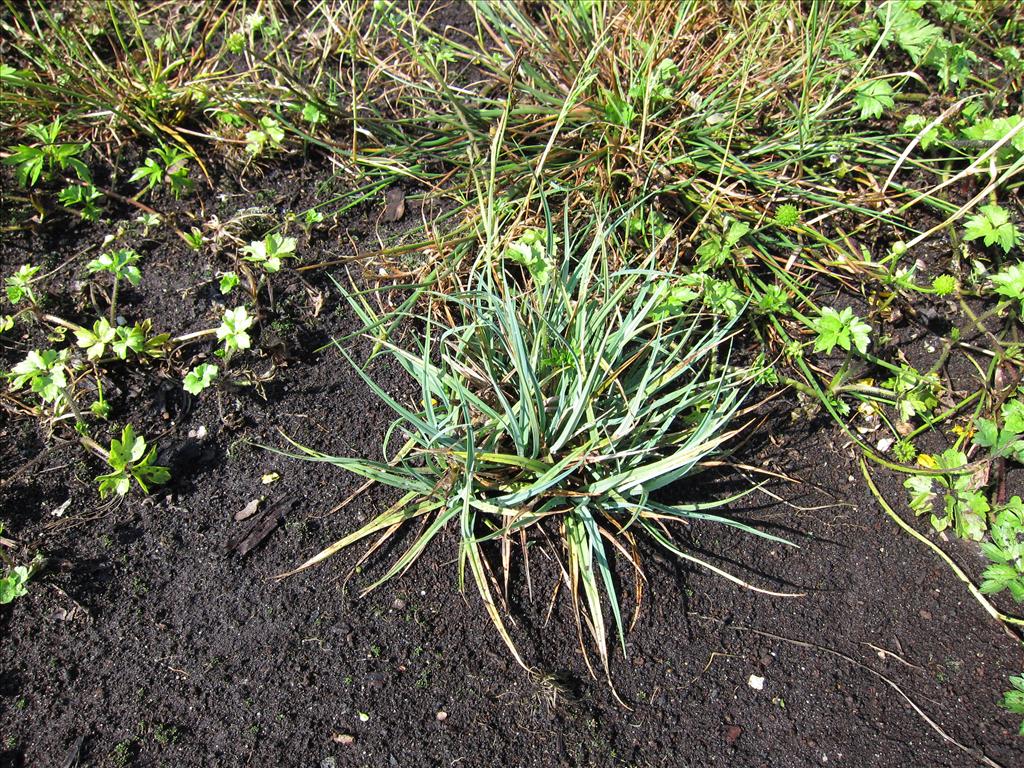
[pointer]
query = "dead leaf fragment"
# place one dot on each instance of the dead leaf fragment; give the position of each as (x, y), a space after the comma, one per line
(248, 510)
(394, 204)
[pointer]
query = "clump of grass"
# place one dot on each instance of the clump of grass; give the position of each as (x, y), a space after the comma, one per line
(572, 400)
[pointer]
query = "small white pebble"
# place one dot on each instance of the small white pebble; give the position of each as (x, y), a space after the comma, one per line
(756, 682)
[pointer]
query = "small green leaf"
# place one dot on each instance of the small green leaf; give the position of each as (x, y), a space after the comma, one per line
(232, 330)
(228, 281)
(993, 226)
(128, 458)
(19, 285)
(843, 329)
(200, 377)
(12, 586)
(873, 98)
(986, 434)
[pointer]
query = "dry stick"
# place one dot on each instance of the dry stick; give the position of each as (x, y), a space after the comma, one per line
(127, 201)
(979, 162)
(977, 754)
(917, 139)
(989, 608)
(1008, 174)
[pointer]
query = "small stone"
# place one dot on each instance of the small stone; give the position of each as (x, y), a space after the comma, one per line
(926, 615)
(756, 682)
(398, 604)
(343, 738)
(441, 716)
(732, 733)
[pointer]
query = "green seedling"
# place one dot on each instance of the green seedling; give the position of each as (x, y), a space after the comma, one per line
(101, 407)
(918, 125)
(228, 282)
(1011, 58)
(84, 195)
(911, 31)
(96, 340)
(140, 339)
(673, 297)
(233, 331)
(773, 300)
(12, 584)
(47, 157)
(1013, 700)
(1001, 443)
(1006, 552)
(992, 225)
(15, 577)
(991, 130)
(964, 507)
(45, 373)
(649, 226)
(313, 115)
(167, 165)
(917, 394)
(148, 222)
(617, 110)
(19, 285)
(843, 329)
(924, 42)
(129, 458)
(268, 252)
(121, 264)
(531, 250)
(268, 136)
(1009, 283)
(953, 62)
(662, 84)
(720, 297)
(200, 377)
(716, 250)
(194, 238)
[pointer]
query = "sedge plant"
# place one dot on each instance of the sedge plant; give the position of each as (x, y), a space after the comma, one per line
(565, 403)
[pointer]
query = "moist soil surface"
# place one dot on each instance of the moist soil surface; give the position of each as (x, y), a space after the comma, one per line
(158, 635)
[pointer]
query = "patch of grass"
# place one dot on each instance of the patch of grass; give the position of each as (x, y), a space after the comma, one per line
(570, 401)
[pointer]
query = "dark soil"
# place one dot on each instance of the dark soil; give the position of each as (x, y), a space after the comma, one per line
(148, 640)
